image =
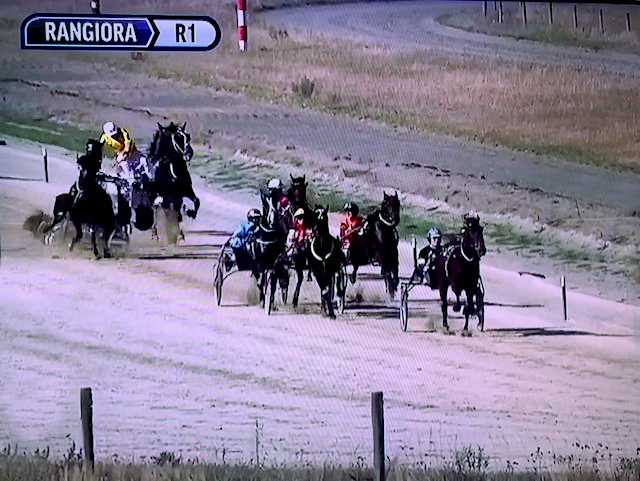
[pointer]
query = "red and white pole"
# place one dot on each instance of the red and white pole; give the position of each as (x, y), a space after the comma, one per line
(242, 25)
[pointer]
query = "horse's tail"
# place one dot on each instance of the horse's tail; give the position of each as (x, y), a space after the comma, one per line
(38, 223)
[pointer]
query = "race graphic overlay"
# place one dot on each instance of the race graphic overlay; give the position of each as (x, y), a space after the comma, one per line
(116, 32)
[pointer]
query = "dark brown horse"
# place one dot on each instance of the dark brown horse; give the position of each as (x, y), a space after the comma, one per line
(459, 268)
(379, 243)
(325, 259)
(87, 203)
(169, 153)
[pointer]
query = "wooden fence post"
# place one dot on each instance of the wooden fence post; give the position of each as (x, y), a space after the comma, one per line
(628, 22)
(601, 22)
(550, 13)
(45, 159)
(86, 414)
(524, 13)
(575, 17)
(377, 418)
(484, 7)
(564, 296)
(500, 13)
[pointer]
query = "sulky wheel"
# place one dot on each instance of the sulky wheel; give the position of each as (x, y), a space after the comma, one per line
(270, 291)
(341, 283)
(480, 304)
(404, 307)
(217, 282)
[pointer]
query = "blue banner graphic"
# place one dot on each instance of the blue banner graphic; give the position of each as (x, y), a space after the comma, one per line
(115, 32)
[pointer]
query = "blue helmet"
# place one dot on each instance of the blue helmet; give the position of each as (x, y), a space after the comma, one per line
(433, 233)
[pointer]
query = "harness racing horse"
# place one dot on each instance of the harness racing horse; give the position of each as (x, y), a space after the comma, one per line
(269, 245)
(379, 243)
(87, 203)
(325, 259)
(297, 195)
(459, 268)
(169, 153)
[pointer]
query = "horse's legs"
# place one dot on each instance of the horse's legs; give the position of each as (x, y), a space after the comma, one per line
(94, 243)
(296, 292)
(78, 235)
(458, 304)
(354, 274)
(284, 283)
(327, 299)
(443, 305)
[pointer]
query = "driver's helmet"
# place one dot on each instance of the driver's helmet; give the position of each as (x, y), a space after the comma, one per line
(351, 207)
(299, 214)
(109, 129)
(274, 184)
(434, 236)
(254, 215)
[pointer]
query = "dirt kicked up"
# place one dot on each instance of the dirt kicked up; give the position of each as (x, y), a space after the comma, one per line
(171, 371)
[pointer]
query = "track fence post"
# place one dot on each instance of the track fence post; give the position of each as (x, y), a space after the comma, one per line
(601, 21)
(45, 160)
(484, 7)
(563, 284)
(377, 418)
(86, 414)
(500, 13)
(575, 17)
(550, 13)
(241, 9)
(524, 13)
(628, 22)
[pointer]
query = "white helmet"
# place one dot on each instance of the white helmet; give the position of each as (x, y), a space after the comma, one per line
(109, 129)
(274, 184)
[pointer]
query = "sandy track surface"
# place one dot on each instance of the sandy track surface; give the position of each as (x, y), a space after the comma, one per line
(413, 25)
(172, 371)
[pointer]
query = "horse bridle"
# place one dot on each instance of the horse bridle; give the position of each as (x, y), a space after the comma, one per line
(386, 222)
(315, 254)
(178, 148)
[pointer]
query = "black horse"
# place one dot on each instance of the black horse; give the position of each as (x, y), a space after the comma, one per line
(297, 196)
(268, 246)
(459, 268)
(379, 243)
(325, 259)
(87, 203)
(169, 153)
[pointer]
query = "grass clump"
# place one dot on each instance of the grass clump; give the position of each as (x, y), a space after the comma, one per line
(469, 464)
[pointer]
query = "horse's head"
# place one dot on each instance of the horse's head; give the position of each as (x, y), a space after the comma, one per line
(390, 209)
(171, 142)
(298, 189)
(472, 236)
(269, 213)
(321, 217)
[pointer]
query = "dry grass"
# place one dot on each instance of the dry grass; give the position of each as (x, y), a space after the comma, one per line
(579, 115)
(576, 114)
(563, 31)
(468, 464)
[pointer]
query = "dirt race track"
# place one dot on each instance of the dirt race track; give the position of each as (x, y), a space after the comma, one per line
(171, 371)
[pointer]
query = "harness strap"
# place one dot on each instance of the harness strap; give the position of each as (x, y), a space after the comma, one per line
(175, 144)
(464, 255)
(315, 254)
(389, 223)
